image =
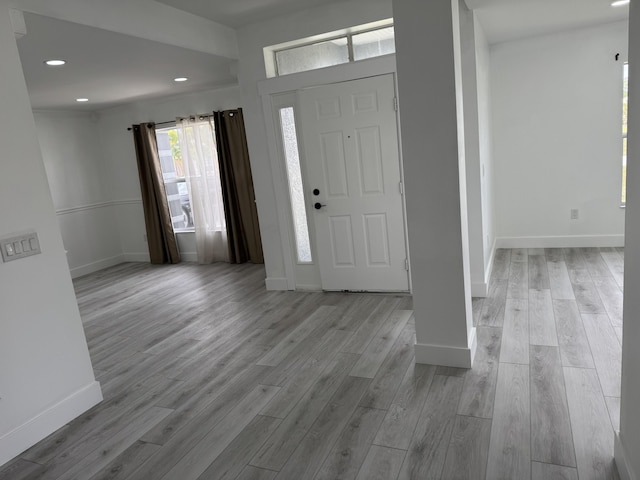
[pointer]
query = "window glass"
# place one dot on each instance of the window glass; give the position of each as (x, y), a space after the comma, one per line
(374, 43)
(175, 183)
(311, 57)
(296, 189)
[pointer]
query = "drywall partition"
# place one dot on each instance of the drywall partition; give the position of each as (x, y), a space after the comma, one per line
(46, 378)
(485, 138)
(80, 188)
(557, 110)
(431, 113)
(116, 144)
(144, 19)
(251, 70)
(627, 443)
(473, 167)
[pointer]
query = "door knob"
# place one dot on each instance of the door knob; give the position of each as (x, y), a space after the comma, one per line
(316, 192)
(318, 205)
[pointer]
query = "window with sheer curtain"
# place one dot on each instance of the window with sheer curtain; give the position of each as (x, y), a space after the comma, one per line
(203, 172)
(194, 174)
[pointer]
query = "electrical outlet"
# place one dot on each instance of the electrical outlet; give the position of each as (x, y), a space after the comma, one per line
(575, 214)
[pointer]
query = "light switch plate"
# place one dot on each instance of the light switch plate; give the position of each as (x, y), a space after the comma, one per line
(13, 248)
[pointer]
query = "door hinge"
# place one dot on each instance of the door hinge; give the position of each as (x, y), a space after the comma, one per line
(395, 103)
(401, 187)
(406, 264)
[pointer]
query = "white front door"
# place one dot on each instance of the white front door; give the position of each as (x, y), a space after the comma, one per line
(350, 140)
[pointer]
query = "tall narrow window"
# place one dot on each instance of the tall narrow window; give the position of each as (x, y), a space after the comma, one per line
(175, 183)
(296, 189)
(625, 104)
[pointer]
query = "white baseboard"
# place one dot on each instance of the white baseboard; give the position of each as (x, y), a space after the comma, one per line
(189, 257)
(95, 266)
(448, 356)
(488, 268)
(620, 454)
(308, 288)
(44, 424)
(276, 283)
(561, 241)
(479, 289)
(137, 257)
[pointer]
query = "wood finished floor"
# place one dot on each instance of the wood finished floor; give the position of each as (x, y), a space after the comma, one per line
(208, 376)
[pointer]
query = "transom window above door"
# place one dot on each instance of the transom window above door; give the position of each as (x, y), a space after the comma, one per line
(333, 48)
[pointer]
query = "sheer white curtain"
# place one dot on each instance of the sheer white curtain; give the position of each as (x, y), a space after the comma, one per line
(199, 154)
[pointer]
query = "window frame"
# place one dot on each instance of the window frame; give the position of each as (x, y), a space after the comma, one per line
(302, 174)
(274, 50)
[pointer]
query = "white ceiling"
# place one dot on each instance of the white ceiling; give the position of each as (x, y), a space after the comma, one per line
(238, 13)
(113, 68)
(109, 68)
(504, 20)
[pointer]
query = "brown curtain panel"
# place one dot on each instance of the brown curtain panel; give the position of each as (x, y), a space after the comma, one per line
(161, 239)
(237, 188)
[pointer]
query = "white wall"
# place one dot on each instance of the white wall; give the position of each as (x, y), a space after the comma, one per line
(556, 114)
(483, 82)
(46, 378)
(144, 19)
(80, 189)
(122, 172)
(428, 53)
(251, 41)
(473, 46)
(628, 441)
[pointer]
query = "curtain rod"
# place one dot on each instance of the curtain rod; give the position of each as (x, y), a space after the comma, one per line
(156, 123)
(192, 116)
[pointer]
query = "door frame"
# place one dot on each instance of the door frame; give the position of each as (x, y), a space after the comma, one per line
(269, 89)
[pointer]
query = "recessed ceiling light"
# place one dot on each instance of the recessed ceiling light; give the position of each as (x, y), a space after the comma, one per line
(82, 99)
(180, 79)
(55, 63)
(619, 3)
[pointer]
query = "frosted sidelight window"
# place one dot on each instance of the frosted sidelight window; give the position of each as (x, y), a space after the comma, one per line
(374, 43)
(296, 188)
(311, 57)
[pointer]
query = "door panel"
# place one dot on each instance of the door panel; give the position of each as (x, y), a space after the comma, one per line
(333, 159)
(376, 240)
(351, 155)
(370, 160)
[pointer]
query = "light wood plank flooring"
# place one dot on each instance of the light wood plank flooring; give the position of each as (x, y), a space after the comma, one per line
(208, 376)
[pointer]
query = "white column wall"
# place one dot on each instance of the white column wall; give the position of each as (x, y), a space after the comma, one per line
(486, 145)
(430, 86)
(472, 152)
(628, 440)
(46, 378)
